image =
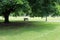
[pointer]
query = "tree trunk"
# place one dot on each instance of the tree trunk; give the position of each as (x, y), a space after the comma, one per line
(46, 18)
(6, 19)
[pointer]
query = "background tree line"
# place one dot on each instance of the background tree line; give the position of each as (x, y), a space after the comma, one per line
(33, 8)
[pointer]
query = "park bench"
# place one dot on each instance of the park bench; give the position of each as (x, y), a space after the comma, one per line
(25, 19)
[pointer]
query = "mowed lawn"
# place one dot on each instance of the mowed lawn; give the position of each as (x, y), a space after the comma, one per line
(34, 30)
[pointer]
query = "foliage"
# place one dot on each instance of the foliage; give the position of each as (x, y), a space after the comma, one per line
(44, 7)
(7, 7)
(36, 7)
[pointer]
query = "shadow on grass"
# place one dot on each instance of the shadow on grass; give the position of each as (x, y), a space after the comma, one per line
(14, 28)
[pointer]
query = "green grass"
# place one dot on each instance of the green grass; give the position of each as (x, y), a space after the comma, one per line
(34, 30)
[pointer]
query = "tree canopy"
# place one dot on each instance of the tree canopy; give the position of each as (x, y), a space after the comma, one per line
(43, 7)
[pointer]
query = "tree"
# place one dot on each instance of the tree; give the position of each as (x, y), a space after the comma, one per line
(57, 8)
(43, 8)
(7, 7)
(25, 9)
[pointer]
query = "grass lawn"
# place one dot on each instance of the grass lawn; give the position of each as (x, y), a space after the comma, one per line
(31, 31)
(35, 29)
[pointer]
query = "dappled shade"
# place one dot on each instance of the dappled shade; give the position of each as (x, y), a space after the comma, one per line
(11, 28)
